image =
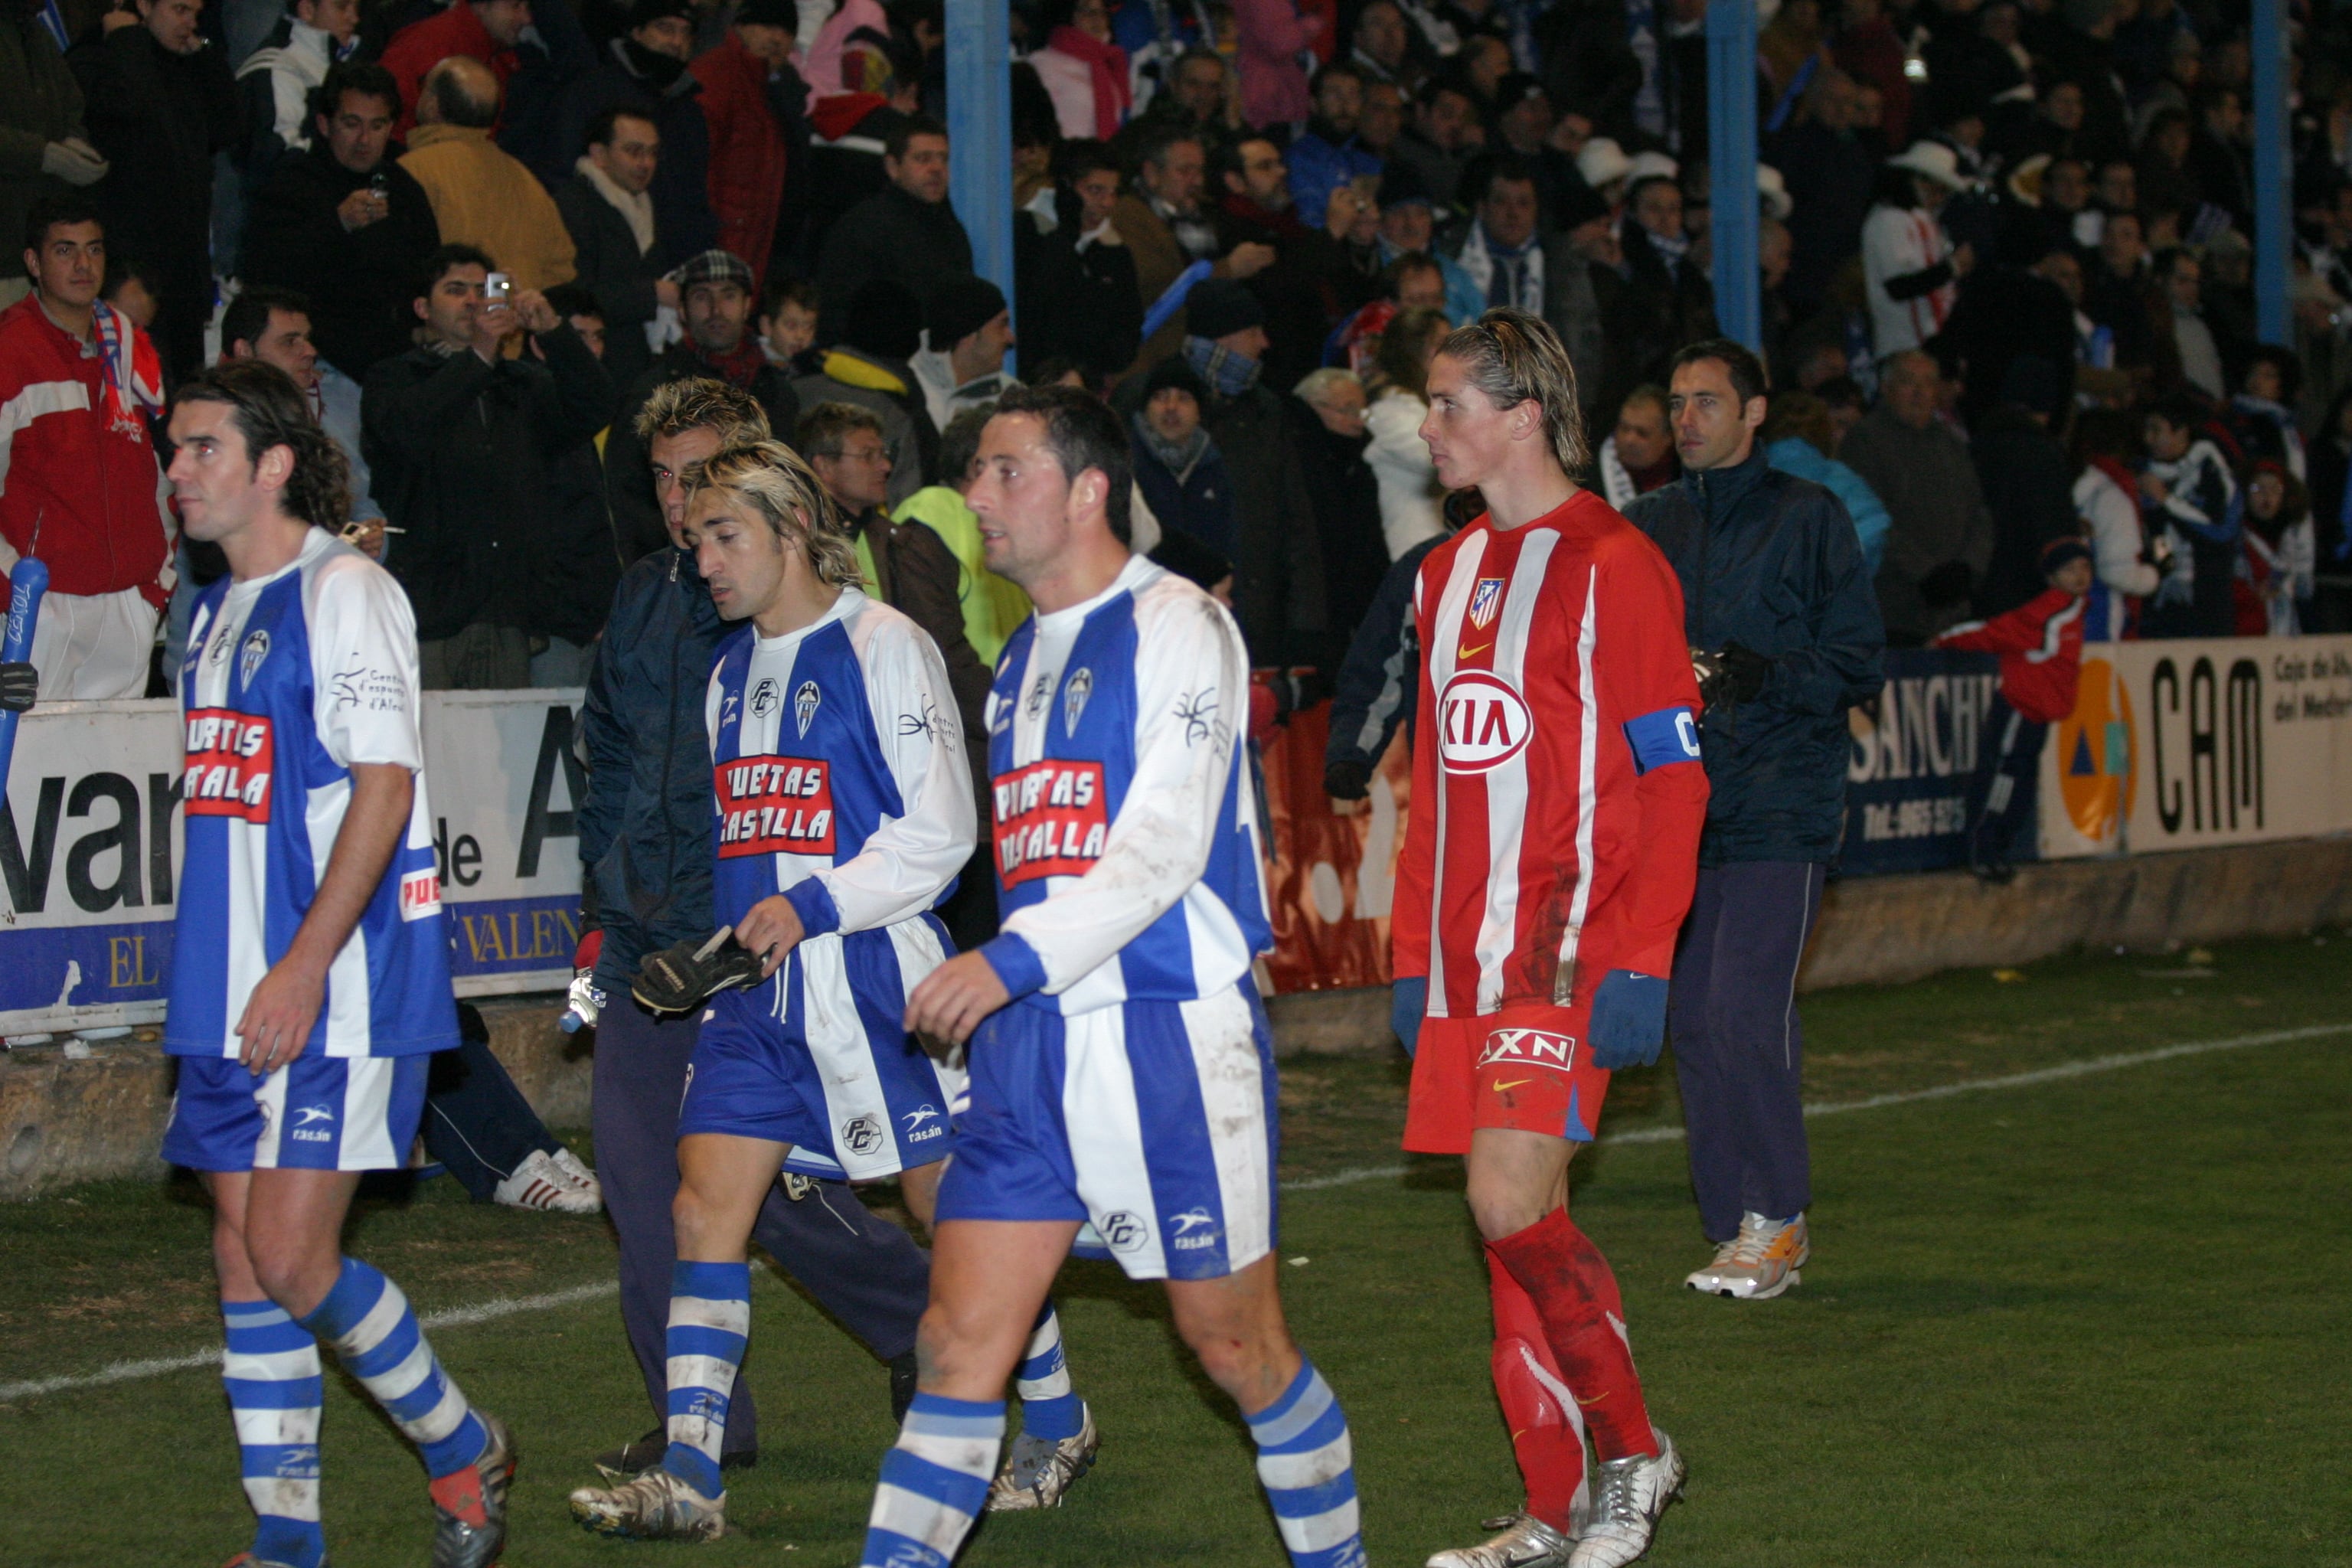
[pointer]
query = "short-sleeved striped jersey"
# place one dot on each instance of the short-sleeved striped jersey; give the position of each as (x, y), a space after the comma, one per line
(289, 680)
(1556, 792)
(1127, 840)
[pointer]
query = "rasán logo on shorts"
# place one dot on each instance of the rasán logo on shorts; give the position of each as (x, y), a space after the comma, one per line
(1537, 1047)
(923, 1123)
(306, 1128)
(1482, 722)
(1124, 1232)
(1195, 1228)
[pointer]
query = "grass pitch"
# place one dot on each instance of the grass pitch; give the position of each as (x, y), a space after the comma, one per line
(2098, 1319)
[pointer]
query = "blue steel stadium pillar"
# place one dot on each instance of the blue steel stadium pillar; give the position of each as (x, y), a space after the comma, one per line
(1731, 167)
(2271, 175)
(980, 133)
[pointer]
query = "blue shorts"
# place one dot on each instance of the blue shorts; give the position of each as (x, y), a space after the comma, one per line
(1152, 1120)
(819, 1058)
(315, 1113)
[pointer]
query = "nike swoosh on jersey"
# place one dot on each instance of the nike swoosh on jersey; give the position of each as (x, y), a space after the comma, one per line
(1468, 652)
(1513, 1084)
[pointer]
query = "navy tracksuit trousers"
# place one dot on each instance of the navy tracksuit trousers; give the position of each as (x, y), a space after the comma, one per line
(1738, 1052)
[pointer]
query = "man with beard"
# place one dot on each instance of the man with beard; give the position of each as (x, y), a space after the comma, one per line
(716, 289)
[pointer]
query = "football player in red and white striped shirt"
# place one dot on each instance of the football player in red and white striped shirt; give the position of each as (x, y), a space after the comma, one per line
(1547, 865)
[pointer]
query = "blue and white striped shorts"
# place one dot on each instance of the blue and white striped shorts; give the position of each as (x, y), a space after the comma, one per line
(315, 1113)
(1152, 1120)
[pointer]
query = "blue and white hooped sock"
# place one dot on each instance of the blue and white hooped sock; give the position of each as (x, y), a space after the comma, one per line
(1048, 1409)
(375, 1334)
(270, 1368)
(1308, 1467)
(709, 1319)
(934, 1483)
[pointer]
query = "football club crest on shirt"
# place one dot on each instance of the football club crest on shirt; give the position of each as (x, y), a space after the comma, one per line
(804, 703)
(257, 649)
(1074, 699)
(1485, 600)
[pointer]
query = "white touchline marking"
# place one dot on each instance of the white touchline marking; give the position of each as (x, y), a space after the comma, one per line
(510, 1306)
(2082, 1068)
(453, 1318)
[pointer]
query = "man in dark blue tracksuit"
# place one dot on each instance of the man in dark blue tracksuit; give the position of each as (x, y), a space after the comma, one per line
(644, 848)
(1784, 625)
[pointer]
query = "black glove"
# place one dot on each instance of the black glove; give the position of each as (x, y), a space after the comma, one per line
(1347, 779)
(1732, 675)
(1947, 584)
(19, 684)
(676, 979)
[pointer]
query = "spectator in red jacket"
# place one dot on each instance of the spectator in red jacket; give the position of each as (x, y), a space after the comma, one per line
(79, 483)
(749, 156)
(485, 30)
(2041, 648)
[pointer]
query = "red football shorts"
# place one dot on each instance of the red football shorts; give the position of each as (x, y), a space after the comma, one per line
(1527, 1066)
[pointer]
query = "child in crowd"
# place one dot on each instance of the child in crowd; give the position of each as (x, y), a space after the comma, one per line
(2040, 649)
(2276, 574)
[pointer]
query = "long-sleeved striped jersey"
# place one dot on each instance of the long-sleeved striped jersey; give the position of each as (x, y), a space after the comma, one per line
(1557, 795)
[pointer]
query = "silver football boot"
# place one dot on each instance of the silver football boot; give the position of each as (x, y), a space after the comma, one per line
(1628, 1496)
(470, 1508)
(1526, 1541)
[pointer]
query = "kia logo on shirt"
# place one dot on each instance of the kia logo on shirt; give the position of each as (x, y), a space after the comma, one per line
(1482, 722)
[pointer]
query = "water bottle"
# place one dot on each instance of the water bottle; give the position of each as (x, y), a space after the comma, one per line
(587, 1000)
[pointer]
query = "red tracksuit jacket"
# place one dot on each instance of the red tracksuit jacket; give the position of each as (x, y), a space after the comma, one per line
(2041, 648)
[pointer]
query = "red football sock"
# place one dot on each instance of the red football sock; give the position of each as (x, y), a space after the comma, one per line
(1584, 1320)
(1547, 1433)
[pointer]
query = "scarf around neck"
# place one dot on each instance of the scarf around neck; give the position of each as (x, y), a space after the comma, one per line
(1228, 373)
(638, 209)
(1107, 64)
(1178, 458)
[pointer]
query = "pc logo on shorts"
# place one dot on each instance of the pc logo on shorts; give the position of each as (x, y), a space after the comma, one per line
(1536, 1048)
(861, 1134)
(1124, 1232)
(1485, 600)
(804, 703)
(1074, 699)
(1482, 722)
(257, 649)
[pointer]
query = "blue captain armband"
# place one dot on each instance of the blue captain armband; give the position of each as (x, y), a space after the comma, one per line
(1667, 736)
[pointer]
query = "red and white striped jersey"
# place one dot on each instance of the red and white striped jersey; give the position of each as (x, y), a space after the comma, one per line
(1556, 792)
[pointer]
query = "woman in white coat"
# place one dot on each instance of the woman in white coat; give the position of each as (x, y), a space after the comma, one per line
(1910, 267)
(1412, 503)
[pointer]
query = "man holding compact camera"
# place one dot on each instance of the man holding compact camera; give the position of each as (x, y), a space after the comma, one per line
(460, 440)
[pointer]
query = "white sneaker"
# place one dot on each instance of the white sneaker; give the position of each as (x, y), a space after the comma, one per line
(1759, 1263)
(656, 1506)
(1628, 1496)
(538, 1182)
(1526, 1541)
(570, 1166)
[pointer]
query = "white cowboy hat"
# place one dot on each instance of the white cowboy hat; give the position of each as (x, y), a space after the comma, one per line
(1647, 165)
(1772, 194)
(1933, 161)
(1602, 161)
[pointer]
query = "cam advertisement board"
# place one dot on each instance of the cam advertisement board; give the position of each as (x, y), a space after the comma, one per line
(90, 852)
(2195, 743)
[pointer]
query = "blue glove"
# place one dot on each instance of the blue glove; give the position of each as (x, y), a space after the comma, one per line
(1628, 1020)
(1408, 1000)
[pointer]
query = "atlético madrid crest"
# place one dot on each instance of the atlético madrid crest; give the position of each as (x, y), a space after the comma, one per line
(1485, 601)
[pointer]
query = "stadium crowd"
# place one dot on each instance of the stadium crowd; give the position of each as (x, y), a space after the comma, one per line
(2005, 275)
